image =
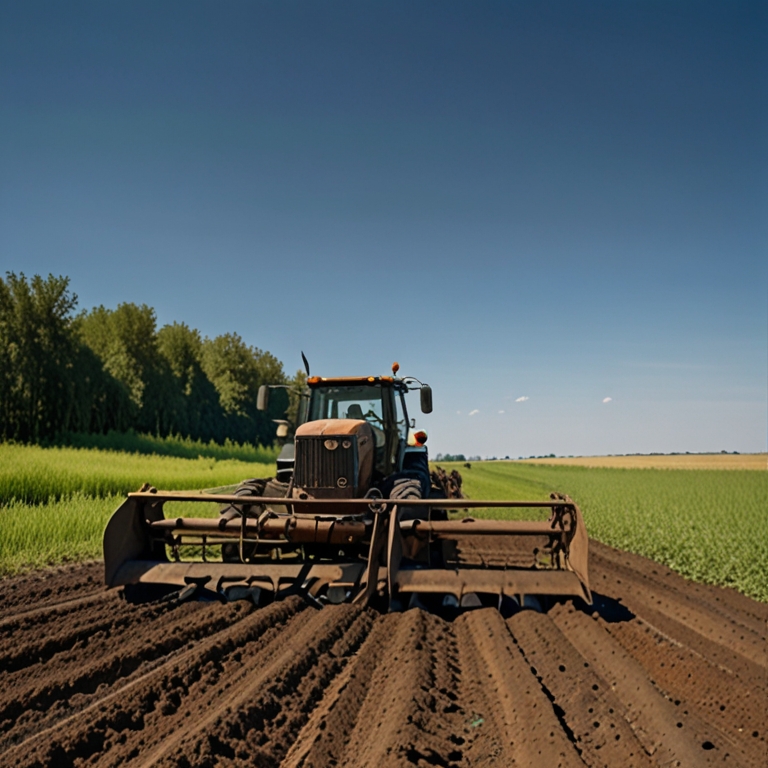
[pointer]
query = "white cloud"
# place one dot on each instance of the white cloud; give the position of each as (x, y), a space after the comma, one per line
(607, 399)
(459, 412)
(472, 413)
(522, 399)
(501, 411)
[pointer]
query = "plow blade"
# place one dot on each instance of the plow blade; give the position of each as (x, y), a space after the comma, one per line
(227, 580)
(512, 583)
(362, 550)
(494, 558)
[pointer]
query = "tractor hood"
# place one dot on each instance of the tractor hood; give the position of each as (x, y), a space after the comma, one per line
(334, 458)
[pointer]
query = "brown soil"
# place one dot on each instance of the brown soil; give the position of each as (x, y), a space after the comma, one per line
(659, 672)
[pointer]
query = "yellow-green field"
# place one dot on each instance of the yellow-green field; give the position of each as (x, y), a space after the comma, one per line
(755, 461)
(709, 525)
(55, 502)
(39, 475)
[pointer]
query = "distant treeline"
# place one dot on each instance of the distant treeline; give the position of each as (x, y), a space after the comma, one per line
(452, 457)
(112, 369)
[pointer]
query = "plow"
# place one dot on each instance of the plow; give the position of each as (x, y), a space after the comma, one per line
(353, 515)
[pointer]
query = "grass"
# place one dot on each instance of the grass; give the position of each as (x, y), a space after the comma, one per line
(35, 475)
(180, 447)
(55, 502)
(708, 525)
(64, 531)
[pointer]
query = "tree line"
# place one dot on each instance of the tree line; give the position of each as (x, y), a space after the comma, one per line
(64, 371)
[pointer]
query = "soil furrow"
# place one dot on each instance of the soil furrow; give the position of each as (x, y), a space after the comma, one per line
(261, 706)
(324, 738)
(694, 684)
(116, 731)
(49, 587)
(100, 661)
(87, 680)
(729, 604)
(520, 723)
(750, 673)
(587, 705)
(713, 623)
(143, 676)
(671, 734)
(17, 620)
(61, 631)
(410, 715)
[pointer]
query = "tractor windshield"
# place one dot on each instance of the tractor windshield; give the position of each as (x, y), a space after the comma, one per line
(348, 403)
(373, 403)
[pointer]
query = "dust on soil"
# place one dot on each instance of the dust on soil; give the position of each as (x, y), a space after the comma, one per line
(659, 672)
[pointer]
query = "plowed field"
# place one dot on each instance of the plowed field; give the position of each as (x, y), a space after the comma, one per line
(659, 672)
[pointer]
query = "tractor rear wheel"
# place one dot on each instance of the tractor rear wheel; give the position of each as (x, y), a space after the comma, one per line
(405, 489)
(230, 553)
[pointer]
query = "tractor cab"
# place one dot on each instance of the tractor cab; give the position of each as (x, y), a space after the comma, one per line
(378, 401)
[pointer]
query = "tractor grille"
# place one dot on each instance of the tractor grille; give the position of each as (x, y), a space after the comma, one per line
(326, 462)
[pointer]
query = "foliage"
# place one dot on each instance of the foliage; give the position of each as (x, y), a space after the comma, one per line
(112, 369)
(37, 353)
(297, 390)
(237, 371)
(67, 531)
(708, 525)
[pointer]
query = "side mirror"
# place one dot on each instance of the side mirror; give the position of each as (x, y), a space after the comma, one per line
(262, 400)
(426, 399)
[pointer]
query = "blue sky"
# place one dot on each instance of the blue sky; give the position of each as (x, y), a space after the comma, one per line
(558, 201)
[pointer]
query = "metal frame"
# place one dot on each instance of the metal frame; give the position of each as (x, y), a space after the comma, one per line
(136, 537)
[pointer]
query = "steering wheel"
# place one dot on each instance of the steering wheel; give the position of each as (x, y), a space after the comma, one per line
(372, 416)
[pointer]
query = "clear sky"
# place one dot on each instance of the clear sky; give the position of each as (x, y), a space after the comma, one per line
(532, 206)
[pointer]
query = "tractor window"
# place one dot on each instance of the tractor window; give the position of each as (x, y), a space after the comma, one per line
(401, 417)
(372, 403)
(349, 403)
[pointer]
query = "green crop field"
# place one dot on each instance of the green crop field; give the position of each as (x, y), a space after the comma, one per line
(55, 502)
(709, 525)
(39, 475)
(38, 535)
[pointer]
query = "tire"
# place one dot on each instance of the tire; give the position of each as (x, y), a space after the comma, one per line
(405, 489)
(230, 553)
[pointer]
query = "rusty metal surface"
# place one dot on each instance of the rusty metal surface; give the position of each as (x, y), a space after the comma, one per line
(511, 582)
(318, 467)
(298, 530)
(332, 531)
(578, 545)
(469, 527)
(221, 575)
(137, 535)
(165, 496)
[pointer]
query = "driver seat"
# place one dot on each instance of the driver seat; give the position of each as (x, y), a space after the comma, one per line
(355, 412)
